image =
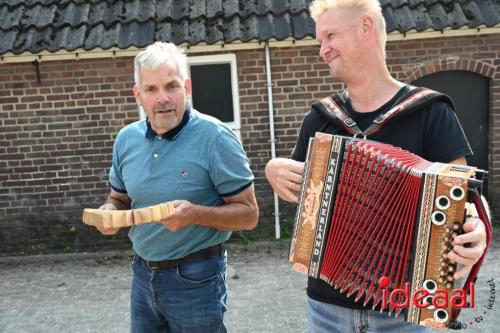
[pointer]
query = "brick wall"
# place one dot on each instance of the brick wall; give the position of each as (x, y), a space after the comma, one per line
(56, 141)
(56, 136)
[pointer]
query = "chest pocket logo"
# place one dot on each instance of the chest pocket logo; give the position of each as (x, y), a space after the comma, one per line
(184, 174)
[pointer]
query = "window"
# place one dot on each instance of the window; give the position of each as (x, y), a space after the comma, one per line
(215, 87)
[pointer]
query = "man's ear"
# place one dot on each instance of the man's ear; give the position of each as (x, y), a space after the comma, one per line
(188, 86)
(137, 94)
(367, 24)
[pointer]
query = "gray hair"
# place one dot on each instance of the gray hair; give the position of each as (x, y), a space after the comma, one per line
(158, 54)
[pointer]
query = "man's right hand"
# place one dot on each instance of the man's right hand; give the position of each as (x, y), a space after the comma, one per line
(285, 176)
(108, 231)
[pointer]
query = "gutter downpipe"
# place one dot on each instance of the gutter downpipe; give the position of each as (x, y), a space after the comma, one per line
(277, 228)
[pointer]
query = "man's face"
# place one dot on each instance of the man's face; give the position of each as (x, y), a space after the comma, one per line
(337, 32)
(163, 95)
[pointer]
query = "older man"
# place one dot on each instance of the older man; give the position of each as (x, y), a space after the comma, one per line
(178, 154)
(352, 38)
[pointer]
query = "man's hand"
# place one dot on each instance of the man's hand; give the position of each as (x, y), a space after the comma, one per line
(239, 212)
(285, 176)
(469, 246)
(185, 214)
(108, 231)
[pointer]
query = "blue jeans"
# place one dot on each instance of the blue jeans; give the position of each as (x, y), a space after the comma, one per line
(329, 318)
(190, 298)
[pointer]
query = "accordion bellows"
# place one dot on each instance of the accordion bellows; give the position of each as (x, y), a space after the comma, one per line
(368, 211)
(126, 218)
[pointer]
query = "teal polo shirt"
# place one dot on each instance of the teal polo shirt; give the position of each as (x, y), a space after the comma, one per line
(201, 160)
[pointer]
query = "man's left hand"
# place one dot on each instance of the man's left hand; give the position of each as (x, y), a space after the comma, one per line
(184, 215)
(469, 246)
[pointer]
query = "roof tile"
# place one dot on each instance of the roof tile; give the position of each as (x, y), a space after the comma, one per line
(36, 25)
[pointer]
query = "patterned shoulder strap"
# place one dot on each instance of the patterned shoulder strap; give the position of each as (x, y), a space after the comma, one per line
(337, 113)
(415, 96)
(334, 110)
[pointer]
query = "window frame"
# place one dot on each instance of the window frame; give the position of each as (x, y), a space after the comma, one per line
(226, 58)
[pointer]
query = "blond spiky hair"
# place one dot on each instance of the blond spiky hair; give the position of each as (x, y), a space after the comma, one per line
(319, 7)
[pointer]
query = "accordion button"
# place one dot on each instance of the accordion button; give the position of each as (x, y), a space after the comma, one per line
(457, 193)
(454, 234)
(441, 315)
(456, 226)
(442, 273)
(442, 202)
(441, 280)
(438, 218)
(447, 230)
(449, 285)
(446, 239)
(450, 277)
(451, 269)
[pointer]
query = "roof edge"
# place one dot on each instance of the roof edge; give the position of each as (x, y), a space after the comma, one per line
(234, 46)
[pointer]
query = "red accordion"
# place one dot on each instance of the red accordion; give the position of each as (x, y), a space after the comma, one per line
(373, 218)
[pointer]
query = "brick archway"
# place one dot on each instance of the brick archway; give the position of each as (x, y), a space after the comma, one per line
(487, 71)
(450, 64)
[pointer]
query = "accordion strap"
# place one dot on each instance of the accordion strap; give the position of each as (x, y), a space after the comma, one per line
(334, 110)
(481, 210)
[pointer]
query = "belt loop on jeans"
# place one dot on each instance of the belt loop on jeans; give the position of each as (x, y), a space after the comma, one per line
(203, 254)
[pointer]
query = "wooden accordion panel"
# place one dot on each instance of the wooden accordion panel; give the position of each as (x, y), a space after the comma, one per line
(373, 218)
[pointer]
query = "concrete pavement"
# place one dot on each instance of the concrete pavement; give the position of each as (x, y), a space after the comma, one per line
(90, 292)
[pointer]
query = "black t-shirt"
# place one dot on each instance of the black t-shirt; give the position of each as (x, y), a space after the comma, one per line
(433, 133)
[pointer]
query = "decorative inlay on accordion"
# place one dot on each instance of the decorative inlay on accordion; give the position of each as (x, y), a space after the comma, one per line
(373, 218)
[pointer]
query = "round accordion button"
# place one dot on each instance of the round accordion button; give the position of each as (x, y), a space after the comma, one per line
(438, 218)
(457, 193)
(442, 202)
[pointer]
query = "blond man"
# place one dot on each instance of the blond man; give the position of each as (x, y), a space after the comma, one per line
(352, 38)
